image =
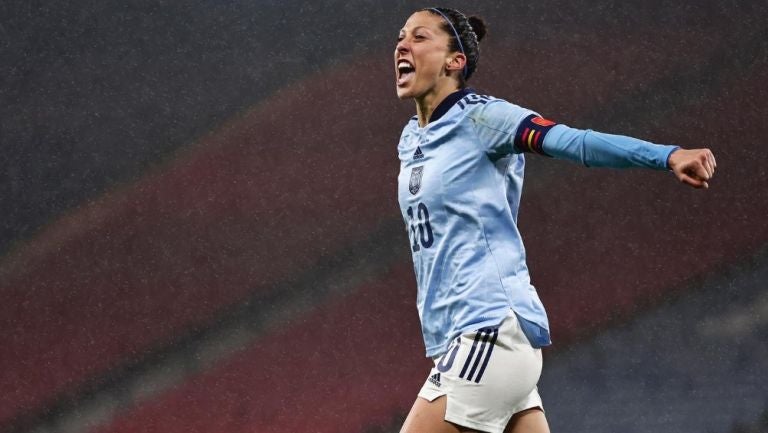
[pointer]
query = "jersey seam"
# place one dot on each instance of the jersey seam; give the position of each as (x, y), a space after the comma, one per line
(485, 234)
(485, 125)
(584, 149)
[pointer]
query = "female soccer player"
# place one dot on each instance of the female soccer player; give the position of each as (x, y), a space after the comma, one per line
(460, 181)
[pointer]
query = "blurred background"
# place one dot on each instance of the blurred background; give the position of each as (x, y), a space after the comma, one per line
(200, 230)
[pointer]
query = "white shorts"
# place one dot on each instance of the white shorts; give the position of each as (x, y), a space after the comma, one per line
(488, 376)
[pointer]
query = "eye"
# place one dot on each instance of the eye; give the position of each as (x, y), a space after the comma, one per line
(418, 37)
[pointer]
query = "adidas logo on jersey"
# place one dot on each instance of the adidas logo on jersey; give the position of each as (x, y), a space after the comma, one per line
(418, 154)
(435, 379)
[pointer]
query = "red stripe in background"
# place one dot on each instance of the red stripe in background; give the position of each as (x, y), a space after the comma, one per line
(317, 375)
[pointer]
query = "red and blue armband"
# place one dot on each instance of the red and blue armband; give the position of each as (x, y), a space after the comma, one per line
(531, 132)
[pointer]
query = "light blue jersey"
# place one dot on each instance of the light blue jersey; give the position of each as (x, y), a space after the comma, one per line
(459, 188)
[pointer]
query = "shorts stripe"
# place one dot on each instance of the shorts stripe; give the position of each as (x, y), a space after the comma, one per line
(477, 351)
(469, 358)
(487, 333)
(487, 356)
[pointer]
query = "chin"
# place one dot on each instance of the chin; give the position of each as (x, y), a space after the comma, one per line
(403, 93)
(412, 90)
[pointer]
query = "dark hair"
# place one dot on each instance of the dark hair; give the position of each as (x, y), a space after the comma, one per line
(470, 30)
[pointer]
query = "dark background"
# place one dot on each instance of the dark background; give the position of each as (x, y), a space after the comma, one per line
(199, 227)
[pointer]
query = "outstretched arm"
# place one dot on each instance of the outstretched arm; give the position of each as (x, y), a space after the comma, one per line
(694, 167)
(506, 128)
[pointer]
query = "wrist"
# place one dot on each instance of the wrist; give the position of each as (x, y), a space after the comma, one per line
(670, 160)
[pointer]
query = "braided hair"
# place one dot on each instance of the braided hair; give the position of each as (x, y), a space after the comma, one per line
(470, 30)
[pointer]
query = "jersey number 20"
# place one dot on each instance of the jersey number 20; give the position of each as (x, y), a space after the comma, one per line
(420, 224)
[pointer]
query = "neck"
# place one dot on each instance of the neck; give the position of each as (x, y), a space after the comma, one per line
(426, 104)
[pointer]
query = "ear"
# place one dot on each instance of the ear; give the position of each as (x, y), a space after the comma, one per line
(456, 62)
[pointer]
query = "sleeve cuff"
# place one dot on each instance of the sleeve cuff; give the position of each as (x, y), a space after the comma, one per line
(671, 151)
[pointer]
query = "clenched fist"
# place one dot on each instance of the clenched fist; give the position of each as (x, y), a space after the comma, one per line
(694, 167)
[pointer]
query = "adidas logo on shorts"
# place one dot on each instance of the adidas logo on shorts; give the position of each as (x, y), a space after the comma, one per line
(435, 379)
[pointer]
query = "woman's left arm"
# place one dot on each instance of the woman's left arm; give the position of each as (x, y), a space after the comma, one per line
(596, 149)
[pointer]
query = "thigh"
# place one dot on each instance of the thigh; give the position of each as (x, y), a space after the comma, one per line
(428, 417)
(528, 421)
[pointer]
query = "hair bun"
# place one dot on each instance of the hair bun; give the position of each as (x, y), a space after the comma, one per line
(478, 26)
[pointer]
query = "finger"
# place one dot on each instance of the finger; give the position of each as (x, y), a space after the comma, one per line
(710, 163)
(700, 172)
(702, 160)
(710, 168)
(696, 183)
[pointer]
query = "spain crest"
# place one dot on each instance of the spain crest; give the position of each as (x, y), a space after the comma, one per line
(415, 184)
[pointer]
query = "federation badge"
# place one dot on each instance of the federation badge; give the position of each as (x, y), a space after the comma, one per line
(415, 184)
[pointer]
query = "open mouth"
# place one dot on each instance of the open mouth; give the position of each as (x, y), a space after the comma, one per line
(405, 72)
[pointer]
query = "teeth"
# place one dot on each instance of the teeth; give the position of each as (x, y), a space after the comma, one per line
(404, 72)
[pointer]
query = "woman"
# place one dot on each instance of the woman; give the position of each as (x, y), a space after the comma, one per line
(459, 190)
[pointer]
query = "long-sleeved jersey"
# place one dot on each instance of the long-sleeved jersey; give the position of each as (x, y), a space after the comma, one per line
(459, 189)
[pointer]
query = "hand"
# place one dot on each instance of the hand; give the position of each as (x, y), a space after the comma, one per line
(694, 167)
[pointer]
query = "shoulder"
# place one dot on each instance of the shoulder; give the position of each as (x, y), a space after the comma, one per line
(495, 113)
(498, 105)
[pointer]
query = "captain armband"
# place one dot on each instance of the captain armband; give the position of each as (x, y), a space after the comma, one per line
(530, 134)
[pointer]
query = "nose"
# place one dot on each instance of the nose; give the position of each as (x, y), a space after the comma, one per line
(402, 46)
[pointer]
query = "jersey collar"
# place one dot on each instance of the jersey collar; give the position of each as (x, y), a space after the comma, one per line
(449, 102)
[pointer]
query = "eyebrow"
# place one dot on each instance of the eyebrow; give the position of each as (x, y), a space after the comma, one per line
(415, 28)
